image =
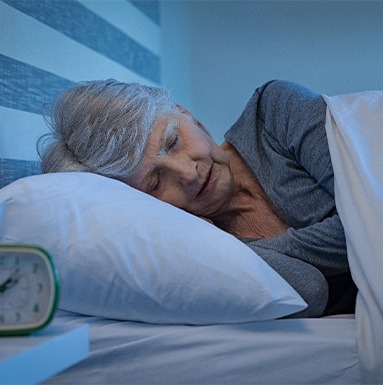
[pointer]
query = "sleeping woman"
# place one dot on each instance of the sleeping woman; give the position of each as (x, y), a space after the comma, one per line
(270, 183)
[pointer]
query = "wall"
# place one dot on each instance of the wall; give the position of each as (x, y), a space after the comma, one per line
(233, 46)
(47, 45)
(176, 51)
(209, 54)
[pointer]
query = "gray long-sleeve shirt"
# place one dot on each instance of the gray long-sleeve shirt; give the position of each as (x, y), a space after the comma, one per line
(281, 135)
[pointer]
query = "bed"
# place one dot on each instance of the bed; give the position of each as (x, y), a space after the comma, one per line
(165, 305)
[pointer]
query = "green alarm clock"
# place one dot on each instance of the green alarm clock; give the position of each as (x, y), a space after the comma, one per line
(29, 289)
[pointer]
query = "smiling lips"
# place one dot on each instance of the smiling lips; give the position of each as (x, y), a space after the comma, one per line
(206, 184)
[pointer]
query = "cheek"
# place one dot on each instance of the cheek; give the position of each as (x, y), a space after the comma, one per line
(174, 196)
(201, 139)
(208, 148)
(220, 156)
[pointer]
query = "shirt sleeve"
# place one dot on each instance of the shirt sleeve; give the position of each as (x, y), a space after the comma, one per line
(294, 119)
(315, 246)
(322, 245)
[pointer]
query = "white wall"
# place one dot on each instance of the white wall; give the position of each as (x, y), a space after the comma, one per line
(176, 69)
(216, 52)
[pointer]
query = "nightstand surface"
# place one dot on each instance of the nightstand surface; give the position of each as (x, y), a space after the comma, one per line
(35, 358)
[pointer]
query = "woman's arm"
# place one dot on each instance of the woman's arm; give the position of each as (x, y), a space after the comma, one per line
(322, 245)
(304, 278)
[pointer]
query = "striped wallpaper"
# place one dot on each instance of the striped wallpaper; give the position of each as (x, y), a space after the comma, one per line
(47, 45)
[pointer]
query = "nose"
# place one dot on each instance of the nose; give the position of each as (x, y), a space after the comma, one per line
(181, 169)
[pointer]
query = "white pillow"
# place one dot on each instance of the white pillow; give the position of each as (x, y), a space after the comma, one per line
(354, 127)
(123, 254)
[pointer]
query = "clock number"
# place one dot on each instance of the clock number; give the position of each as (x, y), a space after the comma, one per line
(2, 319)
(40, 287)
(18, 317)
(36, 308)
(35, 268)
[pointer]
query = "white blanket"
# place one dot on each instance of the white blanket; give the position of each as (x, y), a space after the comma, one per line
(355, 132)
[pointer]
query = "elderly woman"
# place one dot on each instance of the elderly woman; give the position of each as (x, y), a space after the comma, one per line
(270, 183)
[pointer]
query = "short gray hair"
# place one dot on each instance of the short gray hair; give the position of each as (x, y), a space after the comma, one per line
(101, 127)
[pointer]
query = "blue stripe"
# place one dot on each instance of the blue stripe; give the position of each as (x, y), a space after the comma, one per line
(12, 169)
(150, 8)
(27, 88)
(76, 21)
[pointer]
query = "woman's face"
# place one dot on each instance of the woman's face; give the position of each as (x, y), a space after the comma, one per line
(183, 166)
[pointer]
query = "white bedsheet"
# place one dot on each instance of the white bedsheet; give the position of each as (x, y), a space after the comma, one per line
(355, 133)
(293, 351)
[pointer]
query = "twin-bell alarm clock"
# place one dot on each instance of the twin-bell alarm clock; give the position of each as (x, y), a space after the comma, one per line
(29, 289)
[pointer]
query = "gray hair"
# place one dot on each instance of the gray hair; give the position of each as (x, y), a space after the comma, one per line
(101, 127)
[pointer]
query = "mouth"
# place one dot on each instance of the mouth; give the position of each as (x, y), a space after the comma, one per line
(206, 184)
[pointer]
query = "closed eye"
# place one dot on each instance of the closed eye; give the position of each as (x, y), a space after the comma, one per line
(155, 183)
(171, 135)
(171, 141)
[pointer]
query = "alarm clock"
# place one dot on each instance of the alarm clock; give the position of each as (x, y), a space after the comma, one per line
(29, 289)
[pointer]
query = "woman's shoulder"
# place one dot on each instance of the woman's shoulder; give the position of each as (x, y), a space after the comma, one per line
(282, 91)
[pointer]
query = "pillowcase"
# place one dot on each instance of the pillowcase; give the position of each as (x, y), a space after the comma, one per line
(125, 255)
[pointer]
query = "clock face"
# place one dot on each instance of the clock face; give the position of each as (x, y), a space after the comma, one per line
(28, 289)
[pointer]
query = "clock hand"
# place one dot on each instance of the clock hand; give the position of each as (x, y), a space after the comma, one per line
(5, 284)
(11, 281)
